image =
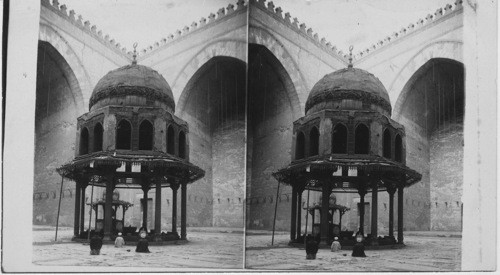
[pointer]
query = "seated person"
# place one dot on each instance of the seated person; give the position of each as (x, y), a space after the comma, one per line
(119, 241)
(336, 245)
(142, 244)
(311, 247)
(359, 248)
(95, 245)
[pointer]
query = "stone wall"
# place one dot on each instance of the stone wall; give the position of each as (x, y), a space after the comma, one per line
(55, 132)
(228, 160)
(270, 121)
(446, 178)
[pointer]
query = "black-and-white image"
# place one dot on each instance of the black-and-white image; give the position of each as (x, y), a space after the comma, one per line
(250, 135)
(141, 142)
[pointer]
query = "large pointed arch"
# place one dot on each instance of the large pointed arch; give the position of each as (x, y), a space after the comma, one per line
(286, 63)
(79, 78)
(398, 89)
(218, 48)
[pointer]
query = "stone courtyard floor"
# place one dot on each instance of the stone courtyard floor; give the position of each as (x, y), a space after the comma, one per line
(210, 249)
(207, 249)
(424, 251)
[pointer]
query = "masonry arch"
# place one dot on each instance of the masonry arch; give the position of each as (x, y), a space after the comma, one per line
(213, 104)
(124, 135)
(98, 137)
(219, 48)
(79, 78)
(452, 50)
(300, 145)
(273, 105)
(314, 141)
(57, 105)
(264, 38)
(432, 106)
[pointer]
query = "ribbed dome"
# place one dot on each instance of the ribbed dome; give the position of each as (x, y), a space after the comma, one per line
(132, 85)
(348, 83)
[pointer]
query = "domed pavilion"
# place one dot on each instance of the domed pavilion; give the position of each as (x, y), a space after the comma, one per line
(131, 138)
(347, 143)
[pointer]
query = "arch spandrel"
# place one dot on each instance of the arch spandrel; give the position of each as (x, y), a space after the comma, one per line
(83, 89)
(265, 38)
(220, 48)
(452, 50)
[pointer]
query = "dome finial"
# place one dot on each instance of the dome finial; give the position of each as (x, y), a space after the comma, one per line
(134, 62)
(350, 56)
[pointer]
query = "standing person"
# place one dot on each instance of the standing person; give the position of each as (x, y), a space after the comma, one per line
(119, 241)
(336, 245)
(95, 245)
(311, 247)
(143, 244)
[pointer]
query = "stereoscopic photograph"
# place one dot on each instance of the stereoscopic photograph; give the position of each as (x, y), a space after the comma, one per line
(255, 136)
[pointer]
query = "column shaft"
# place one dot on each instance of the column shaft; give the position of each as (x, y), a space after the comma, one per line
(362, 212)
(299, 213)
(293, 220)
(183, 210)
(374, 226)
(174, 207)
(158, 208)
(82, 208)
(325, 201)
(76, 223)
(108, 210)
(400, 215)
(391, 212)
(145, 199)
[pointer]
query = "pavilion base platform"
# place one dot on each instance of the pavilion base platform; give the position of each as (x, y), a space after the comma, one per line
(132, 238)
(385, 242)
(134, 242)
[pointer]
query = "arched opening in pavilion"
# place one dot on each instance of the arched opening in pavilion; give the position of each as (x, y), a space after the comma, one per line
(182, 145)
(123, 135)
(313, 142)
(300, 147)
(269, 135)
(146, 135)
(57, 105)
(98, 132)
(398, 148)
(432, 101)
(215, 110)
(84, 141)
(361, 139)
(386, 141)
(339, 139)
(171, 140)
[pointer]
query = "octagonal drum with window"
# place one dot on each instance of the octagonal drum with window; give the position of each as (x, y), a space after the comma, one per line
(131, 138)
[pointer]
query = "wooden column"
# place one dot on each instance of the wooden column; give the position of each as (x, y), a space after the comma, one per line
(145, 189)
(325, 202)
(362, 211)
(108, 207)
(374, 229)
(183, 210)
(158, 207)
(82, 207)
(340, 220)
(400, 215)
(174, 206)
(391, 192)
(293, 220)
(299, 213)
(96, 215)
(76, 223)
